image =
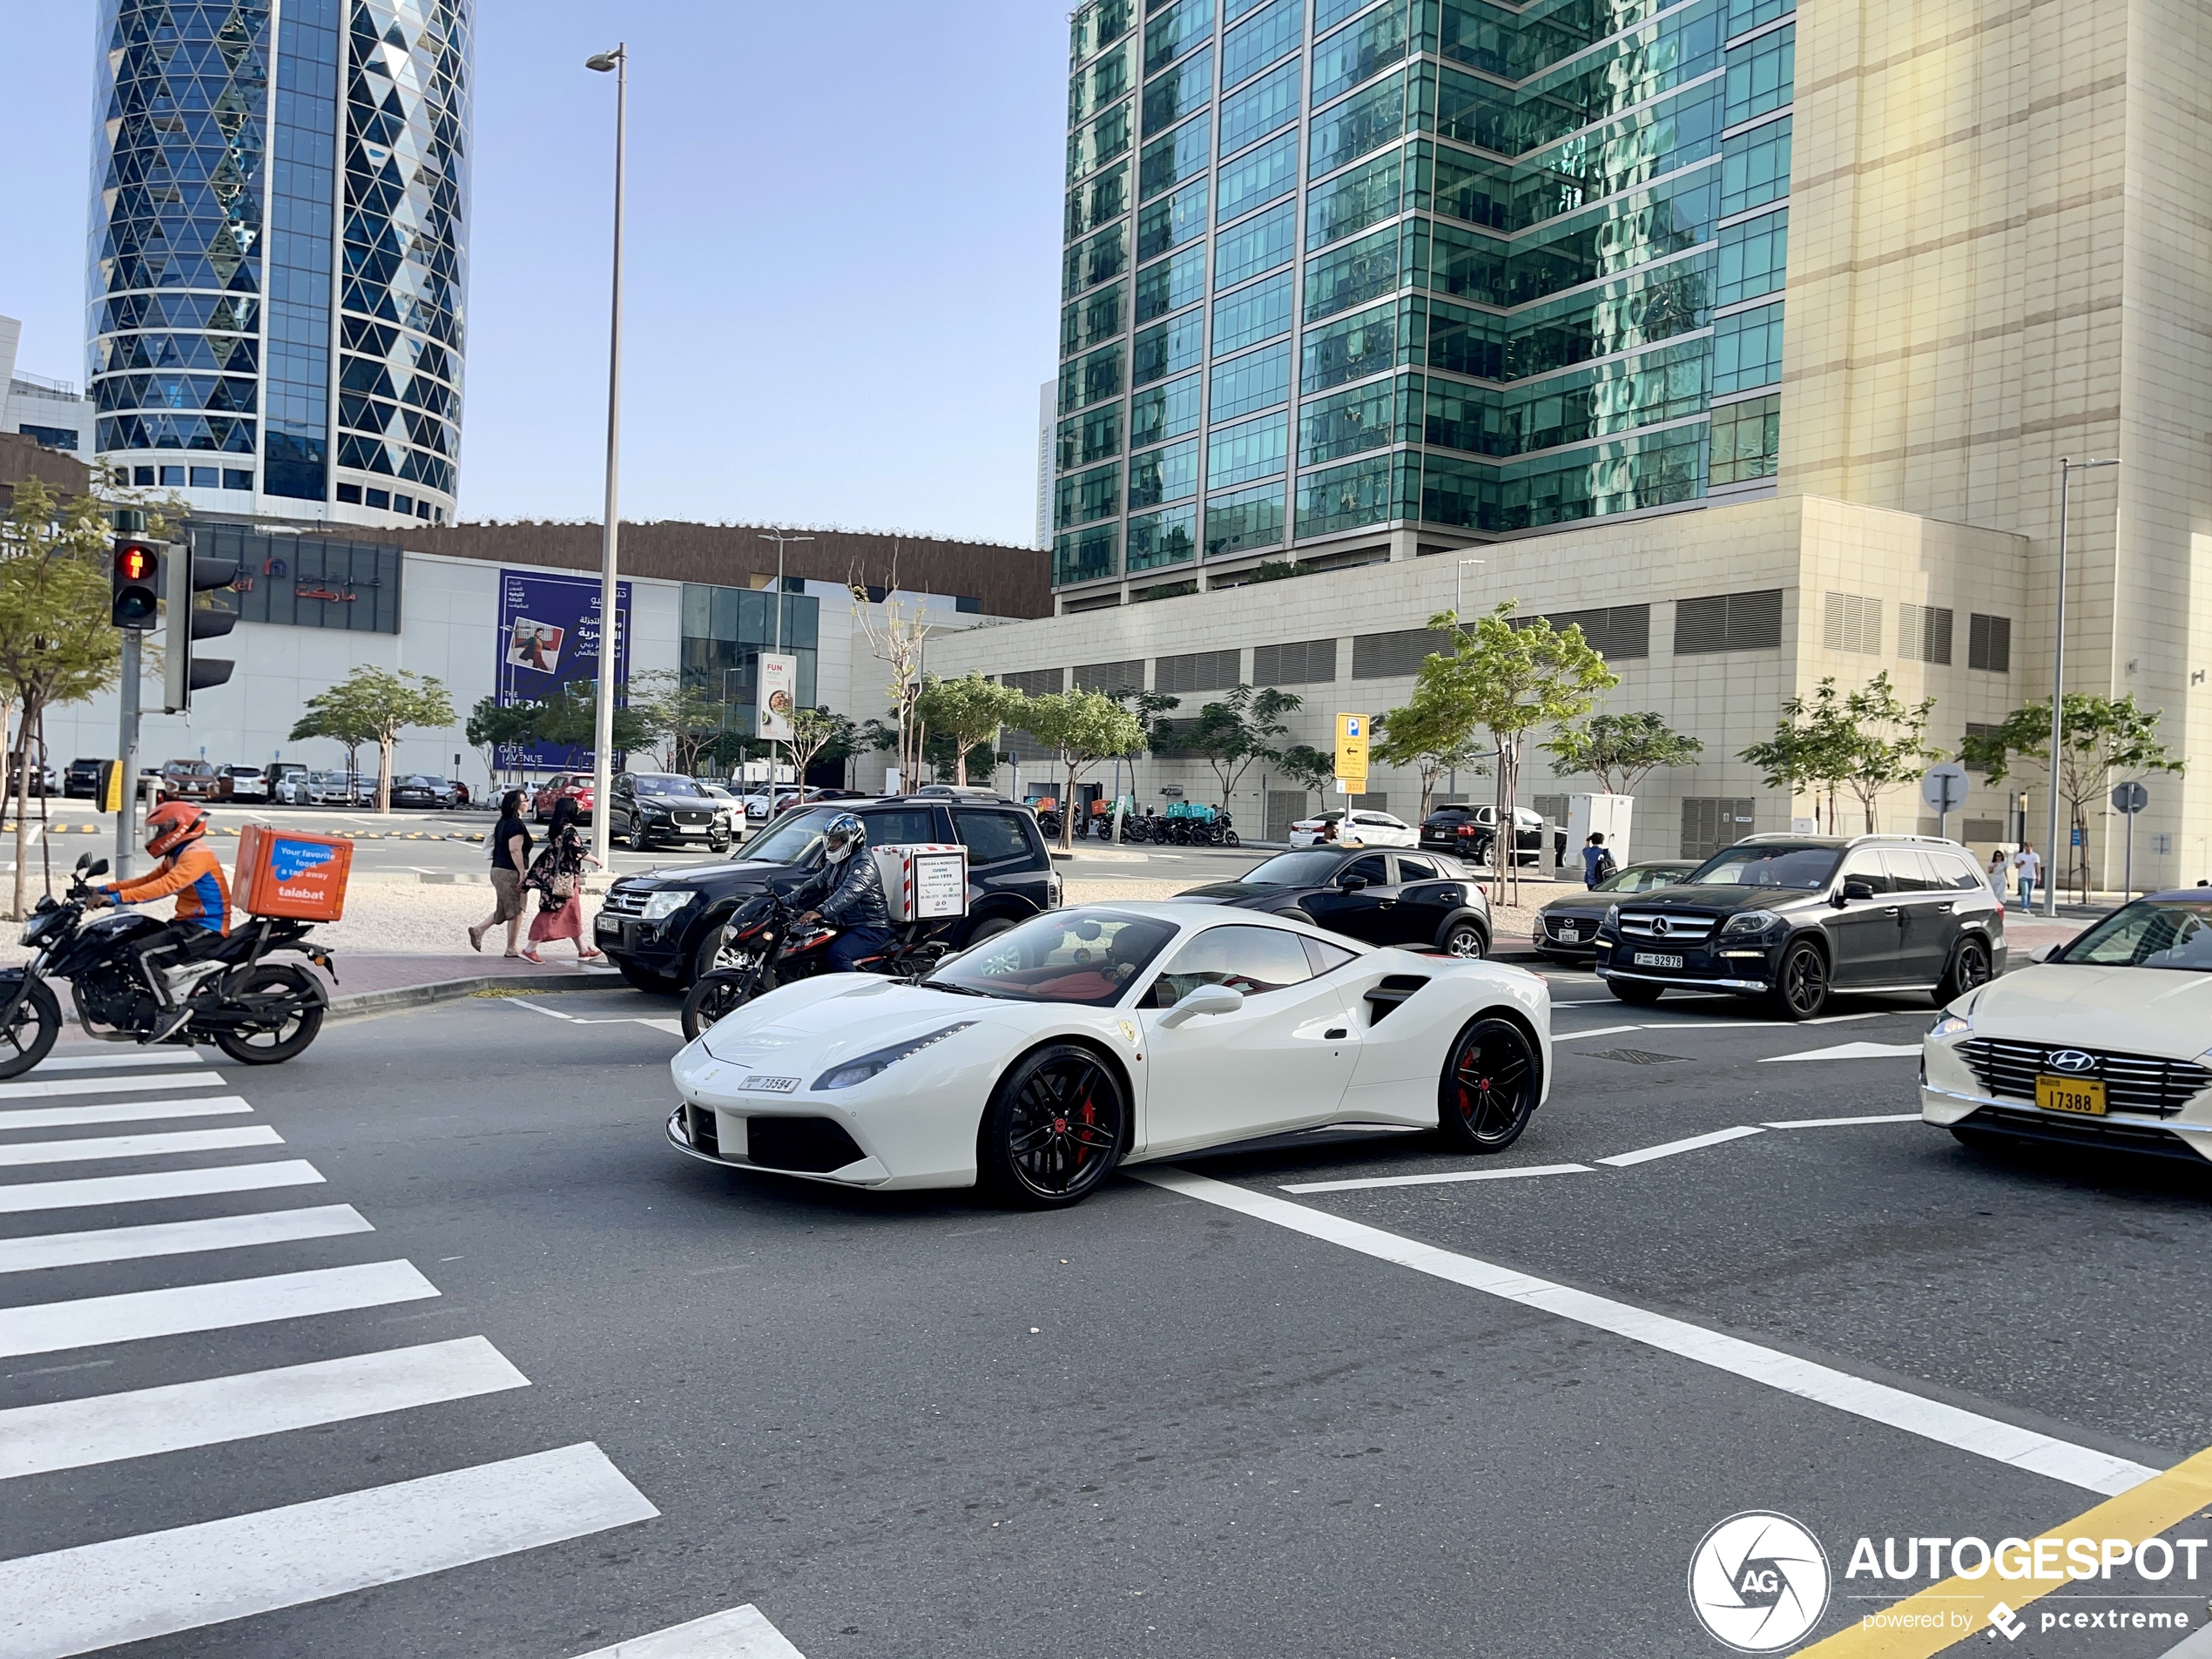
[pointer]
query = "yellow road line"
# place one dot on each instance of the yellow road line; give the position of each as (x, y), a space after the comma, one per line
(2141, 1512)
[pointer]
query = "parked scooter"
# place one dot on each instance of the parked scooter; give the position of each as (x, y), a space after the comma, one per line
(259, 1013)
(765, 945)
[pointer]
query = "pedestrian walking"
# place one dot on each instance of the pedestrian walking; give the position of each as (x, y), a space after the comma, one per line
(557, 876)
(2028, 870)
(1998, 863)
(510, 856)
(1597, 864)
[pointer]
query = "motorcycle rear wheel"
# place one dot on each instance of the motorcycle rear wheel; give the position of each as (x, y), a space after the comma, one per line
(711, 997)
(29, 1038)
(290, 1039)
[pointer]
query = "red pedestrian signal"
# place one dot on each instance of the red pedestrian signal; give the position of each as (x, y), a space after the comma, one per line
(135, 585)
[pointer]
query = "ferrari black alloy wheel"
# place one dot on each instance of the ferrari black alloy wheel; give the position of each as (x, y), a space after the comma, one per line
(1055, 1129)
(1490, 1086)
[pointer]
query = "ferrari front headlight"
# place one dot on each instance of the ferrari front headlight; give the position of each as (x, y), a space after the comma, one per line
(859, 1072)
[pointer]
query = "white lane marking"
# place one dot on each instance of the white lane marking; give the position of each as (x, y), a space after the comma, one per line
(137, 1146)
(1440, 1178)
(121, 1061)
(1930, 1419)
(1644, 1155)
(1850, 1051)
(178, 1237)
(132, 1589)
(120, 1111)
(49, 1327)
(1838, 1122)
(166, 1183)
(675, 1029)
(1602, 1031)
(742, 1632)
(36, 1091)
(536, 1007)
(107, 1428)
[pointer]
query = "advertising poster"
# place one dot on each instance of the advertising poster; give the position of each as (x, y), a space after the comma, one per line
(549, 638)
(779, 690)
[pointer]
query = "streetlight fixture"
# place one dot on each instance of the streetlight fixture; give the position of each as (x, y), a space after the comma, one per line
(779, 538)
(2066, 469)
(616, 61)
(1460, 591)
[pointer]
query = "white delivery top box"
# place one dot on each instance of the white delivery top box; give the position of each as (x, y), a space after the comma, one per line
(923, 882)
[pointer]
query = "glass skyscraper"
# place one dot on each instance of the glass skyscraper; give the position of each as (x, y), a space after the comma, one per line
(278, 258)
(1333, 267)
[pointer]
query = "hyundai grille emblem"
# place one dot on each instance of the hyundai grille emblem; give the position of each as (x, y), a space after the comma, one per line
(2071, 1060)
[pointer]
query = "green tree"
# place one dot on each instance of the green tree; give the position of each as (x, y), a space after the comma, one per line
(965, 715)
(684, 719)
(569, 719)
(1240, 728)
(374, 704)
(818, 736)
(1620, 749)
(1812, 751)
(1082, 728)
(57, 646)
(1509, 675)
(2101, 736)
(1307, 766)
(1433, 734)
(1890, 742)
(491, 728)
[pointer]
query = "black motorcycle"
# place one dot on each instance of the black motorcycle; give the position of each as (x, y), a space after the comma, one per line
(765, 945)
(257, 1011)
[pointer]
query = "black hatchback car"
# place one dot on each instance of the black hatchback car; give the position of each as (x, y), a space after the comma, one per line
(1417, 900)
(1790, 918)
(661, 928)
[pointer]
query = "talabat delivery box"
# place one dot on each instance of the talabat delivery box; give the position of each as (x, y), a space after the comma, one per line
(292, 873)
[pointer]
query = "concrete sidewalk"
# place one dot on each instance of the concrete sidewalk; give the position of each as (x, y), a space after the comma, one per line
(377, 983)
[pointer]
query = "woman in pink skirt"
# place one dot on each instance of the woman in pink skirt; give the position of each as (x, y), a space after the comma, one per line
(559, 876)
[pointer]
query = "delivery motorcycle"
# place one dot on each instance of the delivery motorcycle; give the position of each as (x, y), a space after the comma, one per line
(764, 945)
(258, 1012)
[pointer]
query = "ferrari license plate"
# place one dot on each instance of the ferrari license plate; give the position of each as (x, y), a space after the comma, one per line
(1652, 959)
(2084, 1096)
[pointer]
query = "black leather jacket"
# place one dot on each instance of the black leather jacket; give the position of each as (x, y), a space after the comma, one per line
(848, 894)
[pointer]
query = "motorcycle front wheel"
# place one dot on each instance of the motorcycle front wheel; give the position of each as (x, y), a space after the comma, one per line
(29, 1033)
(295, 1016)
(711, 997)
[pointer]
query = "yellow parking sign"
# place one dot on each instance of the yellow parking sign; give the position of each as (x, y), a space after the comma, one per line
(1352, 750)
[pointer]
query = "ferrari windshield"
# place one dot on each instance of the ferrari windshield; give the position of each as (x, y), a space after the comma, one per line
(1083, 956)
(1806, 869)
(2150, 932)
(1293, 870)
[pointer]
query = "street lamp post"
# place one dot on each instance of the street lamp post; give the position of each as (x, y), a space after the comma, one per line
(603, 739)
(2066, 469)
(779, 538)
(1460, 591)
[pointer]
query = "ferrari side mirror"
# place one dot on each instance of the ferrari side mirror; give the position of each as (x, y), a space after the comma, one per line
(1205, 999)
(2043, 953)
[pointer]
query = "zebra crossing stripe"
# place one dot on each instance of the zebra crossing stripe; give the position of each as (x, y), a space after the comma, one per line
(134, 1316)
(44, 1089)
(133, 1589)
(178, 1238)
(120, 1111)
(137, 1146)
(107, 1428)
(20, 1197)
(134, 1060)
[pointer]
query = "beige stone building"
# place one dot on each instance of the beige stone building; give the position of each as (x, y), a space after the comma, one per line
(1781, 396)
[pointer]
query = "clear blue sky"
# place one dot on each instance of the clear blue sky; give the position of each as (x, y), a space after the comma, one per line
(843, 269)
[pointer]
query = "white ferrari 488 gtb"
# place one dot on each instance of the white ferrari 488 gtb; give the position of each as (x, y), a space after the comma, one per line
(1037, 1061)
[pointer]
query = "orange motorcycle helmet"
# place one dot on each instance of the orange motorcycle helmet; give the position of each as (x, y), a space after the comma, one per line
(169, 827)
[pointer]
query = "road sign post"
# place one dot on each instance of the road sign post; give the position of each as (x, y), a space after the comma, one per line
(2127, 799)
(1944, 788)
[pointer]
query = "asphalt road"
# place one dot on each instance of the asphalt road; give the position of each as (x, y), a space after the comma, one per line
(1168, 1422)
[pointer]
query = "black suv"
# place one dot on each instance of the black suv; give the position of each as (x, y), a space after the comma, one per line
(661, 928)
(1789, 918)
(82, 780)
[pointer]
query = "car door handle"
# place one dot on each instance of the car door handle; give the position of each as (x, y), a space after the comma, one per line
(1891, 910)
(1336, 1033)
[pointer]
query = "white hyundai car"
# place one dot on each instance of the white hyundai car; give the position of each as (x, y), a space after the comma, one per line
(1358, 827)
(2105, 1042)
(1037, 1062)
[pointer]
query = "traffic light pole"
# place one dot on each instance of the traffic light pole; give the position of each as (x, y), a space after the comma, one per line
(126, 749)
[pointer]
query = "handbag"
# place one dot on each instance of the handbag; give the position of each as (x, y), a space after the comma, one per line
(562, 886)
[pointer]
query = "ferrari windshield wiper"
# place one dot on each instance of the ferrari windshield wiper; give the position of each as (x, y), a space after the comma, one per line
(962, 990)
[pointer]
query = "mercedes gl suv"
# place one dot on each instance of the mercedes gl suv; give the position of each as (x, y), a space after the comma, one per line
(1789, 919)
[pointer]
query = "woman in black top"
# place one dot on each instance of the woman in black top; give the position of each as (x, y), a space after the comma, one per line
(511, 857)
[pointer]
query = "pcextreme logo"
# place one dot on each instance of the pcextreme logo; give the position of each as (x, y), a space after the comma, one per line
(1758, 1582)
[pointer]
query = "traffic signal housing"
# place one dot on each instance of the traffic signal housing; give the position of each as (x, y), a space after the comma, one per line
(186, 672)
(134, 583)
